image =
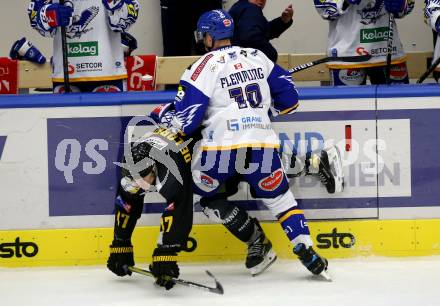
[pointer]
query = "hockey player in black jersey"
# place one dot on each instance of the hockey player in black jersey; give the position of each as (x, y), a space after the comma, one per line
(159, 162)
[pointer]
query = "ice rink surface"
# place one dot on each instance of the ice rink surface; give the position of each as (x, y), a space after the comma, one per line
(369, 281)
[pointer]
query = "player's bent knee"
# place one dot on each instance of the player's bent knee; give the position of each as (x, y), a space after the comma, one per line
(234, 218)
(281, 203)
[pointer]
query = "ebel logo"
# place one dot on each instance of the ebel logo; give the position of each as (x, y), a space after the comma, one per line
(335, 239)
(374, 35)
(80, 49)
(18, 249)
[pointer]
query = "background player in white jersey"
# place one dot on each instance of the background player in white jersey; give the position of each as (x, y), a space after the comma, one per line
(432, 14)
(359, 27)
(93, 30)
(229, 93)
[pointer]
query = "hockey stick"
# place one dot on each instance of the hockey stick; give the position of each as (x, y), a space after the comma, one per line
(348, 59)
(429, 71)
(389, 48)
(217, 289)
(65, 57)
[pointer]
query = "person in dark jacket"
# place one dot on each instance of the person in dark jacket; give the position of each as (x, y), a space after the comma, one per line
(179, 21)
(253, 30)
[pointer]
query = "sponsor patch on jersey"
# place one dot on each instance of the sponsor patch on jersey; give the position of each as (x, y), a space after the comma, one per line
(200, 67)
(213, 67)
(71, 69)
(368, 36)
(227, 22)
(81, 49)
(398, 72)
(107, 88)
(351, 76)
(238, 66)
(271, 182)
(232, 55)
(221, 59)
(156, 142)
(170, 207)
(204, 181)
(180, 93)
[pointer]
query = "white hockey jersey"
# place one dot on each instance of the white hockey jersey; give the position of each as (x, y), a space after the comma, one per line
(229, 92)
(359, 30)
(432, 13)
(94, 45)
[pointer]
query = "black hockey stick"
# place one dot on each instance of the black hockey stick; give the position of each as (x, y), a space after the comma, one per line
(429, 71)
(217, 289)
(389, 48)
(65, 57)
(348, 59)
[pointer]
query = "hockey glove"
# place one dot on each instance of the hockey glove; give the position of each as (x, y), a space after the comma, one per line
(158, 114)
(121, 257)
(164, 266)
(395, 6)
(353, 2)
(23, 49)
(58, 15)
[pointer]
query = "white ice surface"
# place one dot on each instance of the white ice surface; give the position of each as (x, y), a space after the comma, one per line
(356, 282)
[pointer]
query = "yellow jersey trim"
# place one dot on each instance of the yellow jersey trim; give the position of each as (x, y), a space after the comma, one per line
(365, 65)
(93, 79)
(291, 213)
(286, 111)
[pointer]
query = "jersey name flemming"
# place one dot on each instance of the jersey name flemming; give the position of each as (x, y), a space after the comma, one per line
(242, 77)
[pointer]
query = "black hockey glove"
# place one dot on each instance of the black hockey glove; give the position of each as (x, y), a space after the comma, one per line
(121, 257)
(164, 266)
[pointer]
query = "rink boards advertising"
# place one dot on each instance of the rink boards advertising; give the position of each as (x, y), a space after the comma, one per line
(58, 175)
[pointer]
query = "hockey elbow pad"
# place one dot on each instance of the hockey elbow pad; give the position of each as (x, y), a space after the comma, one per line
(113, 5)
(121, 13)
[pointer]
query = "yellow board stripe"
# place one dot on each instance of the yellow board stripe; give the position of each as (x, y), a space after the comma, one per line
(290, 213)
(332, 239)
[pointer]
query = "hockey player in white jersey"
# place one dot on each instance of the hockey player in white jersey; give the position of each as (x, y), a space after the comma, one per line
(432, 14)
(93, 30)
(360, 27)
(229, 93)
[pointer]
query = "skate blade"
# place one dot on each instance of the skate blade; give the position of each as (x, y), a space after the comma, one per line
(325, 276)
(269, 259)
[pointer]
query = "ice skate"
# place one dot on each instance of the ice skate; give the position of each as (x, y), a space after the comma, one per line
(312, 260)
(260, 253)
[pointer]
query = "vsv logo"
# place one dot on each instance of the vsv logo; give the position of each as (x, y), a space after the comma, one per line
(18, 249)
(2, 145)
(335, 239)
